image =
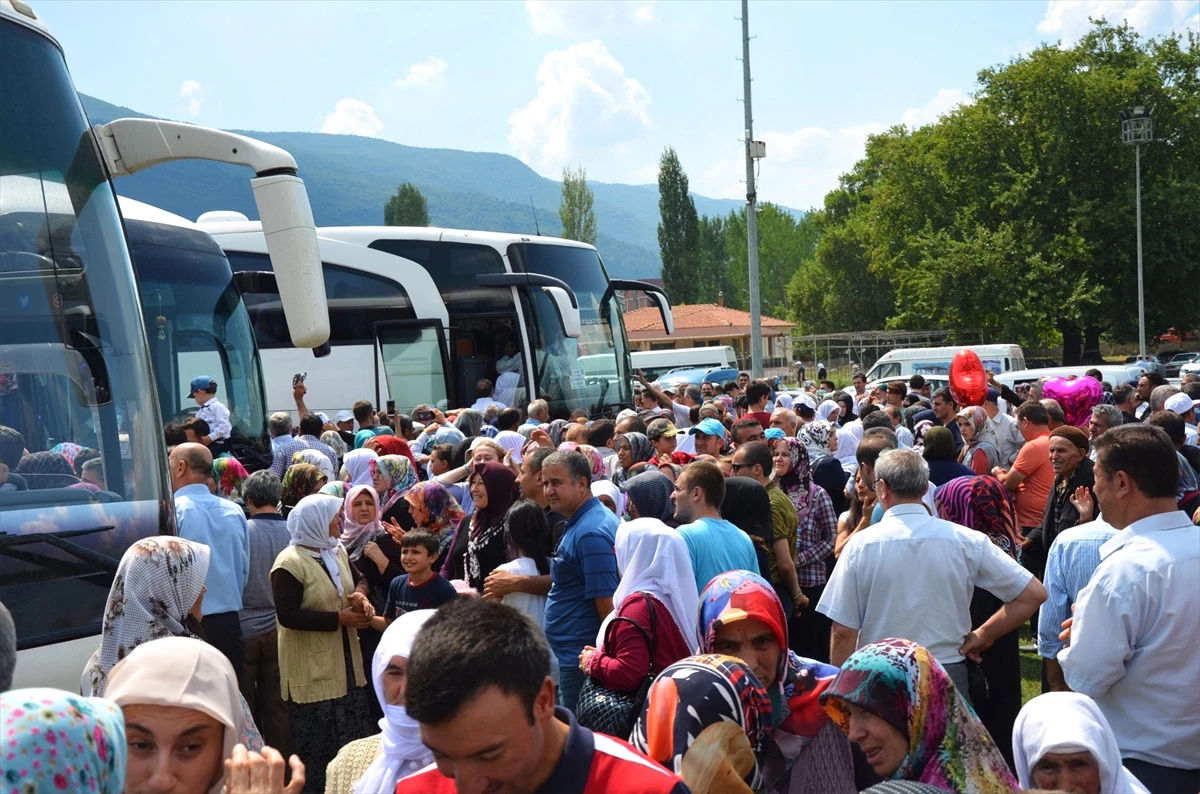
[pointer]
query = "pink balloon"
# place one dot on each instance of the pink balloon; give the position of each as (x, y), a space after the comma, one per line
(1077, 396)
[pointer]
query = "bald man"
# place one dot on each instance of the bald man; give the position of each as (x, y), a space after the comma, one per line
(220, 524)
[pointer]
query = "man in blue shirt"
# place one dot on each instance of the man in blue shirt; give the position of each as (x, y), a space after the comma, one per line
(715, 545)
(219, 524)
(583, 571)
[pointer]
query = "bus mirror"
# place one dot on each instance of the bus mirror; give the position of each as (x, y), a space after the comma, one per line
(255, 282)
(568, 315)
(654, 293)
(322, 350)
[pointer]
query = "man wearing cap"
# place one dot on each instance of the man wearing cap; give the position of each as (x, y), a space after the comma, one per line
(212, 411)
(344, 421)
(1070, 502)
(662, 437)
(709, 438)
(1008, 436)
(1186, 408)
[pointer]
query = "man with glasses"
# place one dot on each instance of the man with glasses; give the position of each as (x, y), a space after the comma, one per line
(913, 576)
(754, 460)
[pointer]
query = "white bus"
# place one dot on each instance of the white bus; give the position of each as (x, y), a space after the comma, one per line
(904, 362)
(519, 309)
(75, 365)
(655, 363)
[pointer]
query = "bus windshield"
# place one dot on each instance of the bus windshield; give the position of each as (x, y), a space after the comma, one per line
(82, 467)
(197, 324)
(601, 383)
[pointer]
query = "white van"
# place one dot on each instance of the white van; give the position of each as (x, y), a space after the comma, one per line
(907, 361)
(658, 362)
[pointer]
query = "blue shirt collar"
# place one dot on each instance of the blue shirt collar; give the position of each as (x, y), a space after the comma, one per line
(195, 489)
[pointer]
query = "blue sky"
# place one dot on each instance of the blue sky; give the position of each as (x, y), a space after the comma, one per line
(606, 85)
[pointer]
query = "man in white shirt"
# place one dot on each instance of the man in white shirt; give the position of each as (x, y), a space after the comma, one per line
(1008, 436)
(1134, 644)
(483, 392)
(912, 576)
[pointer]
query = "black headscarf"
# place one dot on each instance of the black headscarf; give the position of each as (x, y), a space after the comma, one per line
(650, 493)
(748, 507)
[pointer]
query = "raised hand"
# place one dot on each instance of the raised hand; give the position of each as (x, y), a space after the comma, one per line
(248, 772)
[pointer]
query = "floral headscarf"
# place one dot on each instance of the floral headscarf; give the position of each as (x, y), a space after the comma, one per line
(69, 450)
(443, 508)
(593, 457)
(157, 582)
(919, 431)
(984, 504)
(228, 474)
(900, 682)
(298, 482)
(738, 595)
(816, 435)
(797, 483)
(356, 536)
(693, 694)
(333, 439)
(54, 741)
(400, 474)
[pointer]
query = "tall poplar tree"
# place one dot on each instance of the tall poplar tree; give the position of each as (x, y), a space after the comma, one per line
(406, 208)
(678, 231)
(575, 207)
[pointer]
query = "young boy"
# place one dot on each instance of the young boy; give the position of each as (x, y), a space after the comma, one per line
(212, 411)
(419, 587)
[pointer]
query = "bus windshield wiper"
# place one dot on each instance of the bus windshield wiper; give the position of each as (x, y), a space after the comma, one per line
(50, 568)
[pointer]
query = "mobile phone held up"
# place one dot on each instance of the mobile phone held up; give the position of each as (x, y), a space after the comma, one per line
(423, 416)
(299, 378)
(391, 407)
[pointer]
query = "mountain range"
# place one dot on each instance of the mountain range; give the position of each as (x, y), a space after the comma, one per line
(350, 178)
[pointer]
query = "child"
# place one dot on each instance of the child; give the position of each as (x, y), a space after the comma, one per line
(419, 587)
(212, 411)
(529, 535)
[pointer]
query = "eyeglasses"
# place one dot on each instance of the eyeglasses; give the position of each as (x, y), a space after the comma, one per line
(875, 483)
(740, 466)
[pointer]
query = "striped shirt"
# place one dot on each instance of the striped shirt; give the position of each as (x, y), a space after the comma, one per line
(1073, 557)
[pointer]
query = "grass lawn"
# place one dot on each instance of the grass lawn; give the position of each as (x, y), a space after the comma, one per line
(1031, 667)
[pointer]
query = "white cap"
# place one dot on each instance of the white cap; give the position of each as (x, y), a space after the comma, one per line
(324, 417)
(1179, 403)
(345, 416)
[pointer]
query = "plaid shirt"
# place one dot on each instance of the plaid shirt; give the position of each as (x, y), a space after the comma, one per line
(814, 541)
(284, 452)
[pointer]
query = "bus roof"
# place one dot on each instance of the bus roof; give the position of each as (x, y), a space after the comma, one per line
(22, 14)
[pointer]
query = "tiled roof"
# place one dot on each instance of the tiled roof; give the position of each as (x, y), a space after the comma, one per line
(696, 316)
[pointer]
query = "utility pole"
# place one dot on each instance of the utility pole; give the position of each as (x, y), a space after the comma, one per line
(1137, 128)
(753, 151)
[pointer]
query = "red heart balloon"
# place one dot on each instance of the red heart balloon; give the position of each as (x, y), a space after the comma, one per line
(968, 379)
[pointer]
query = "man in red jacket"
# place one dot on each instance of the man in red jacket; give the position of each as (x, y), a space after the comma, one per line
(479, 685)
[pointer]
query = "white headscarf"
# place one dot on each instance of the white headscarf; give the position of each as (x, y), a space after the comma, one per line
(847, 449)
(182, 672)
(356, 467)
(826, 409)
(156, 585)
(653, 558)
(308, 524)
(512, 442)
(316, 458)
(784, 401)
(1067, 722)
(607, 488)
(403, 753)
(506, 388)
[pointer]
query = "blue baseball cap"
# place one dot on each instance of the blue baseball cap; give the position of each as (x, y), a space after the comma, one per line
(993, 396)
(202, 383)
(775, 433)
(709, 427)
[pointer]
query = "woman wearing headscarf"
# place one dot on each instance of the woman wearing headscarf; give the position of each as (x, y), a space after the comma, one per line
(980, 453)
(432, 507)
(391, 445)
(557, 430)
(829, 411)
(692, 701)
(611, 497)
(313, 457)
(228, 474)
(821, 440)
(479, 545)
(299, 481)
(333, 439)
(742, 616)
(357, 468)
(599, 472)
(919, 431)
(377, 763)
(156, 592)
(652, 624)
(985, 505)
(469, 422)
(1062, 742)
(53, 741)
(939, 454)
(321, 603)
(394, 475)
(44, 470)
(649, 496)
(634, 454)
(748, 507)
(182, 687)
(816, 531)
(845, 449)
(896, 702)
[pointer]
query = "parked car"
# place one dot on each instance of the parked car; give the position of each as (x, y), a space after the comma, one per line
(1191, 368)
(1176, 362)
(696, 375)
(1148, 363)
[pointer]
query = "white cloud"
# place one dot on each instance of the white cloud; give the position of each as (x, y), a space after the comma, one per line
(586, 17)
(352, 117)
(1068, 20)
(422, 73)
(803, 165)
(585, 104)
(193, 93)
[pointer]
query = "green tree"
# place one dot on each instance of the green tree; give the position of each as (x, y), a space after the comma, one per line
(678, 231)
(406, 208)
(575, 207)
(713, 276)
(784, 245)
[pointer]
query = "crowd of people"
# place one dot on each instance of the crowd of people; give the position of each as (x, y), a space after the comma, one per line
(726, 588)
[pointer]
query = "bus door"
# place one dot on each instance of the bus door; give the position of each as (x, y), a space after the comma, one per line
(411, 363)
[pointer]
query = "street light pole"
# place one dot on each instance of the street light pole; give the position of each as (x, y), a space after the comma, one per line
(752, 153)
(1137, 128)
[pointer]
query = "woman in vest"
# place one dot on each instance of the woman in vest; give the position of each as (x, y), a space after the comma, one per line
(320, 602)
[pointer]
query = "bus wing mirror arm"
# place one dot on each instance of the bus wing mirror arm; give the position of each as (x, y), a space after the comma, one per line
(654, 293)
(131, 145)
(568, 315)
